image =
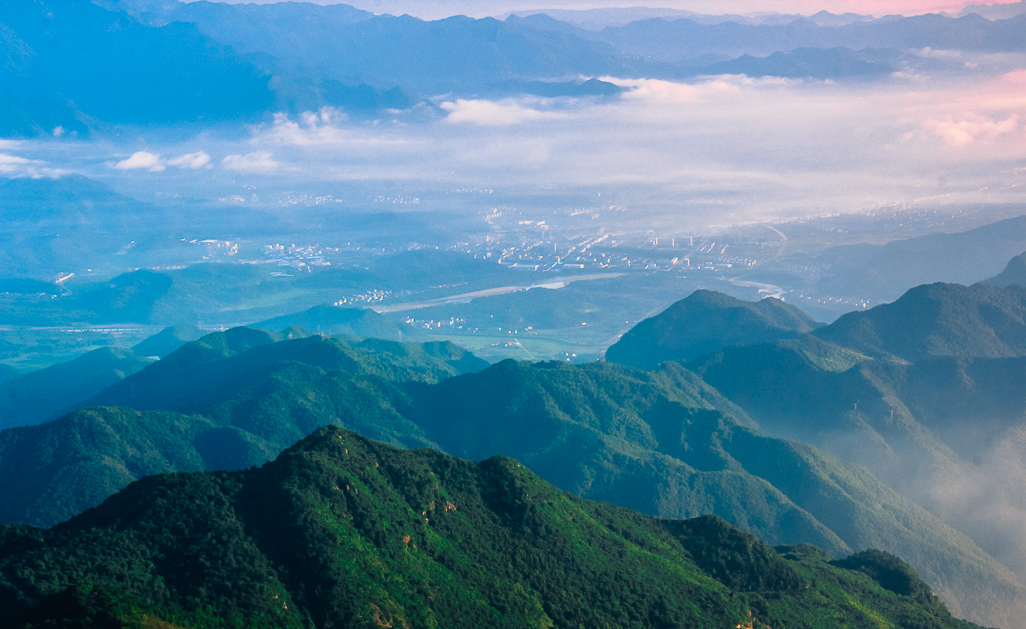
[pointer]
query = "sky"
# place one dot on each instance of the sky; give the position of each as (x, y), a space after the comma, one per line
(433, 9)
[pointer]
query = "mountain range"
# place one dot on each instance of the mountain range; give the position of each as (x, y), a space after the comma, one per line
(243, 61)
(342, 531)
(923, 392)
(724, 431)
(662, 442)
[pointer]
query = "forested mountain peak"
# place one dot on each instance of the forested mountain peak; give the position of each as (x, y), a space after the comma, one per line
(343, 531)
(705, 322)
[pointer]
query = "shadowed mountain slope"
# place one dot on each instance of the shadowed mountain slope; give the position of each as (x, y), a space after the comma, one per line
(36, 396)
(167, 340)
(1014, 273)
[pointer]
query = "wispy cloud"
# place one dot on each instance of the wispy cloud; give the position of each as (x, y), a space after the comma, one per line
(256, 162)
(970, 129)
(142, 160)
(486, 112)
(14, 166)
(192, 161)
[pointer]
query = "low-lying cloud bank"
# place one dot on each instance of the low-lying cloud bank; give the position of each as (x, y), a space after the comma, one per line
(719, 149)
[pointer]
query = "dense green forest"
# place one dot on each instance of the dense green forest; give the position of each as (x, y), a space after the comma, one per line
(705, 322)
(662, 442)
(341, 531)
(706, 436)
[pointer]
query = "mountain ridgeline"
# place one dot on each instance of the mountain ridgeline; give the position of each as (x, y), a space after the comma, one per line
(80, 67)
(703, 323)
(925, 392)
(341, 531)
(662, 442)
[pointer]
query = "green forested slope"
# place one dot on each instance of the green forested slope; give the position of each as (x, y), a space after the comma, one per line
(335, 321)
(705, 322)
(222, 361)
(939, 320)
(340, 531)
(661, 442)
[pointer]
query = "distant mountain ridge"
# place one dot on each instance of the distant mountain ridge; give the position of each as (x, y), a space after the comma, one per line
(240, 62)
(54, 77)
(337, 321)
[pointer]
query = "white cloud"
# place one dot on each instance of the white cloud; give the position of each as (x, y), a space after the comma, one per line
(8, 163)
(193, 161)
(486, 112)
(259, 161)
(15, 167)
(973, 127)
(141, 160)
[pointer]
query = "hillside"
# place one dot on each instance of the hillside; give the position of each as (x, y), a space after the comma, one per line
(978, 321)
(705, 322)
(945, 432)
(221, 363)
(662, 442)
(342, 531)
(35, 397)
(1014, 273)
(882, 273)
(337, 321)
(167, 340)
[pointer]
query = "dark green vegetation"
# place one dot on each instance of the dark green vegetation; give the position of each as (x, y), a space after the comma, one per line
(704, 322)
(926, 393)
(341, 531)
(978, 321)
(661, 442)
(250, 389)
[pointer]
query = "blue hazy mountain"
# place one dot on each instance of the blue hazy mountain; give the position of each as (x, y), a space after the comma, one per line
(681, 40)
(882, 273)
(72, 64)
(1014, 273)
(81, 66)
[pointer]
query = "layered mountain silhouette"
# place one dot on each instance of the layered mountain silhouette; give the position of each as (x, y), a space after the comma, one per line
(342, 531)
(76, 67)
(661, 442)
